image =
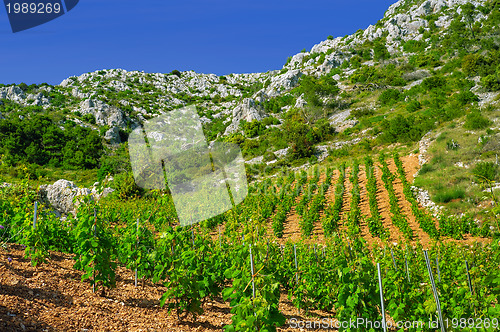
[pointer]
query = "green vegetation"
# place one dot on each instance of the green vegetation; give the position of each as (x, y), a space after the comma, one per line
(414, 46)
(39, 140)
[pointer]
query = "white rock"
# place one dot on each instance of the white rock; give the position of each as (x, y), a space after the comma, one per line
(13, 93)
(300, 103)
(249, 111)
(283, 83)
(423, 197)
(61, 194)
(103, 113)
(113, 135)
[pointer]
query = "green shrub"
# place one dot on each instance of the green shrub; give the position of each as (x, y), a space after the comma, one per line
(434, 82)
(449, 195)
(371, 74)
(268, 156)
(486, 171)
(362, 112)
(471, 64)
(39, 139)
(390, 96)
(380, 52)
(339, 153)
(356, 61)
(413, 106)
(467, 97)
(425, 60)
(270, 120)
(90, 118)
(475, 120)
(125, 185)
(313, 88)
(491, 82)
(426, 168)
(453, 110)
(176, 73)
(405, 129)
(253, 129)
(414, 46)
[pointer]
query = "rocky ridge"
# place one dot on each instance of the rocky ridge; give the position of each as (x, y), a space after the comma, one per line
(110, 95)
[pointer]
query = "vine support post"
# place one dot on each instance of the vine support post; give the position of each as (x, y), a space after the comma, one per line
(34, 223)
(93, 271)
(315, 254)
(393, 260)
(267, 251)
(35, 215)
(468, 277)
(407, 269)
(296, 265)
(437, 268)
(381, 297)
(192, 235)
(434, 290)
(253, 271)
(220, 239)
(136, 244)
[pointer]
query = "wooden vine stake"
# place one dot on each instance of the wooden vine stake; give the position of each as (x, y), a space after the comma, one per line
(434, 290)
(381, 297)
(468, 277)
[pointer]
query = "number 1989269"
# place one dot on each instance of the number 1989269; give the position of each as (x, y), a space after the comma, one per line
(33, 8)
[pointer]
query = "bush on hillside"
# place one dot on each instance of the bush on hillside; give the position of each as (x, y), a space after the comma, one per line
(486, 171)
(414, 46)
(467, 97)
(434, 83)
(413, 106)
(390, 96)
(475, 121)
(125, 185)
(405, 129)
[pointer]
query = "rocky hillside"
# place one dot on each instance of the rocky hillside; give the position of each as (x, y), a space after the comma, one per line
(426, 66)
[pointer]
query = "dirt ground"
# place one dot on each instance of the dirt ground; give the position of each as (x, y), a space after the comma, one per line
(410, 163)
(51, 297)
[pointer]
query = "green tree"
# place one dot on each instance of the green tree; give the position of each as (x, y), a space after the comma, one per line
(468, 10)
(380, 51)
(297, 133)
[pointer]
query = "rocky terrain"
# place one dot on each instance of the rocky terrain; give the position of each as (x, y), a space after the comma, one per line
(114, 102)
(119, 99)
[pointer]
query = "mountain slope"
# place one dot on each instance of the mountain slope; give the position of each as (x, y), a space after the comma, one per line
(426, 66)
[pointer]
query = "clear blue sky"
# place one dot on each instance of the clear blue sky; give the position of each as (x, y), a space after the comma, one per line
(207, 36)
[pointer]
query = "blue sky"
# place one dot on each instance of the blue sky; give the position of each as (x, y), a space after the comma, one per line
(207, 36)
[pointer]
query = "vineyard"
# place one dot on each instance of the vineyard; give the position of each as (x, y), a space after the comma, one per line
(302, 247)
